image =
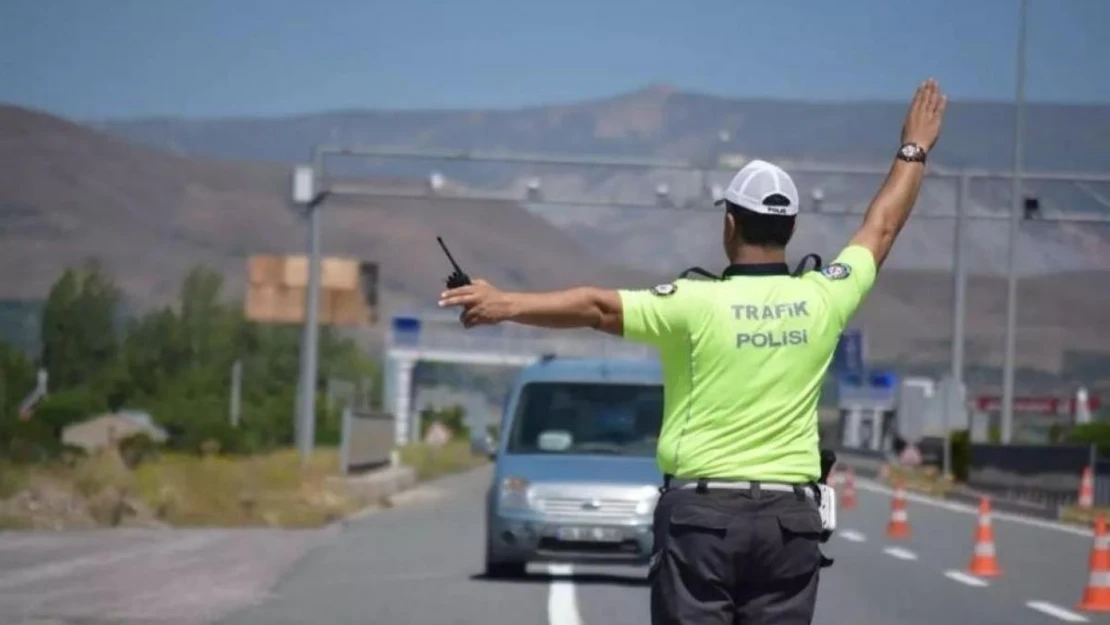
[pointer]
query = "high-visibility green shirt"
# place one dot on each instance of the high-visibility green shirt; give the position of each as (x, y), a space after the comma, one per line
(743, 363)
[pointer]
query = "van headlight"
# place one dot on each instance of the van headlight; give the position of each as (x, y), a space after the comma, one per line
(514, 493)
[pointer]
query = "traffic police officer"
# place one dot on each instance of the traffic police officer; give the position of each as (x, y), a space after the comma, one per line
(737, 528)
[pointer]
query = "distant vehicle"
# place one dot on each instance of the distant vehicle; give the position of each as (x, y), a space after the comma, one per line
(575, 477)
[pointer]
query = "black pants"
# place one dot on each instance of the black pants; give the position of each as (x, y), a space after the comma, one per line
(735, 557)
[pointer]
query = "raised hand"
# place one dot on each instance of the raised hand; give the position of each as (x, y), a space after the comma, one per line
(926, 115)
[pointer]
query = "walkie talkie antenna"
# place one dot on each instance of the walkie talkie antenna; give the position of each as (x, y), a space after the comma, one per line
(459, 277)
(449, 256)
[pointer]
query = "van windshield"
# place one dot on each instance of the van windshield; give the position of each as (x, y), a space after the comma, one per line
(587, 418)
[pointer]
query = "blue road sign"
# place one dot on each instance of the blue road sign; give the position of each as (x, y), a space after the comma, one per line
(406, 330)
(883, 379)
(848, 357)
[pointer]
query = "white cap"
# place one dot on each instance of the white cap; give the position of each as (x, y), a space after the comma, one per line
(756, 183)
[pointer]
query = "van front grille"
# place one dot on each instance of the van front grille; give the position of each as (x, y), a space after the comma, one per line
(583, 507)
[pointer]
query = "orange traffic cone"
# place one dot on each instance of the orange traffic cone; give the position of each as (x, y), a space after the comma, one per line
(899, 526)
(1087, 488)
(983, 561)
(848, 493)
(1096, 597)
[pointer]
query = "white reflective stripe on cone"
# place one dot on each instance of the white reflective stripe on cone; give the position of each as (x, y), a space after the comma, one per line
(1102, 542)
(1099, 579)
(984, 549)
(984, 520)
(898, 515)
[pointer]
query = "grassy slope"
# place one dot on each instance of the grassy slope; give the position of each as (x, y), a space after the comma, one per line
(185, 490)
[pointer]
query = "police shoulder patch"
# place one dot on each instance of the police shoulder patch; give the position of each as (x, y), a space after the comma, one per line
(837, 271)
(663, 290)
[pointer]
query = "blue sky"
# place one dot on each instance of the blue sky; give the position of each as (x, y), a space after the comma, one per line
(118, 58)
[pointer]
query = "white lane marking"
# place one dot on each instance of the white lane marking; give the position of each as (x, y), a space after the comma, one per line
(562, 605)
(900, 553)
(1057, 611)
(974, 510)
(964, 578)
(852, 536)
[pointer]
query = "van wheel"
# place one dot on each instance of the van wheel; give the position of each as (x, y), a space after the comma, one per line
(501, 569)
(505, 570)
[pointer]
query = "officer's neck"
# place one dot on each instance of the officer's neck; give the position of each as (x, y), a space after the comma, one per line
(753, 255)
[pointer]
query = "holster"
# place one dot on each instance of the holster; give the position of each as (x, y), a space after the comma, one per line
(828, 460)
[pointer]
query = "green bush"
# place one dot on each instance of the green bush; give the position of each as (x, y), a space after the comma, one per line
(454, 417)
(28, 441)
(1095, 433)
(67, 407)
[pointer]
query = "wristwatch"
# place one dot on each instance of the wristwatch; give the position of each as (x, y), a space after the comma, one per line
(911, 152)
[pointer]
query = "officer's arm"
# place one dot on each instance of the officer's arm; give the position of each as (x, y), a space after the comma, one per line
(656, 316)
(582, 307)
(890, 209)
(648, 316)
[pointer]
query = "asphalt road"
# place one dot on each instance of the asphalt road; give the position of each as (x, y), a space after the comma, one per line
(160, 577)
(419, 564)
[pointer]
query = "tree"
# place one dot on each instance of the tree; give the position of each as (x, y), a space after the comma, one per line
(175, 362)
(58, 347)
(209, 329)
(79, 326)
(17, 380)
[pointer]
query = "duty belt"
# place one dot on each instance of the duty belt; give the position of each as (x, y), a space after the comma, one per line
(704, 484)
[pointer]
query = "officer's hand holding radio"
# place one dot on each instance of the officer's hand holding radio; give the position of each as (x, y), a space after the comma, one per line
(482, 303)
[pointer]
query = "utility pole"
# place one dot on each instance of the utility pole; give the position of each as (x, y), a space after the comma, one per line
(1015, 221)
(959, 301)
(305, 193)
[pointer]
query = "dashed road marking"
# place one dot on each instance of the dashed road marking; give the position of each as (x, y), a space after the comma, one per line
(852, 536)
(562, 605)
(964, 578)
(875, 487)
(1055, 610)
(900, 553)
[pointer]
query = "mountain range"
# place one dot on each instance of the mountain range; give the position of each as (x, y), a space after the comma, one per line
(154, 196)
(707, 131)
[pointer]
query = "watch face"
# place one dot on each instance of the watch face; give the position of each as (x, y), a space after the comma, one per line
(911, 151)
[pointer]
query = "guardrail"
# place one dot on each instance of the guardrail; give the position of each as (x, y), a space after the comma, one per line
(1045, 474)
(1039, 480)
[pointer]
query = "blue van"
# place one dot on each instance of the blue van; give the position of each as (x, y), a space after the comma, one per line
(576, 478)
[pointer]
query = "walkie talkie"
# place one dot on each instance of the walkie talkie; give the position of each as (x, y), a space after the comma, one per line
(459, 277)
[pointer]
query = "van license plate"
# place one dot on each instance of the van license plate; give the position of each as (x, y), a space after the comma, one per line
(589, 534)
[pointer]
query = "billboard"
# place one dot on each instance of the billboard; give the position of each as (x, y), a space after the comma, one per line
(1042, 405)
(277, 288)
